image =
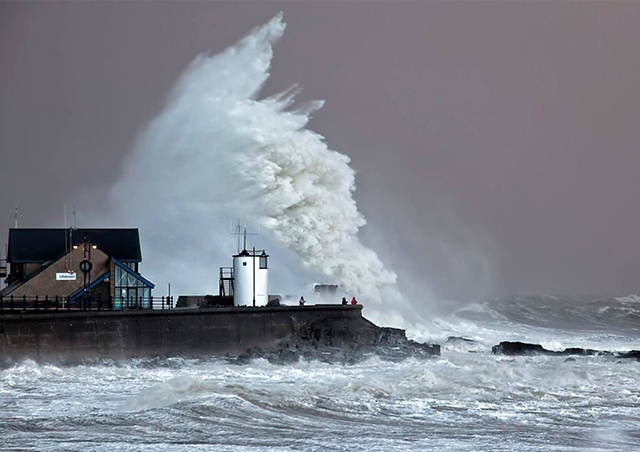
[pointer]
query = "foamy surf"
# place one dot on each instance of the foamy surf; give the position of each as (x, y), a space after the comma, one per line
(219, 151)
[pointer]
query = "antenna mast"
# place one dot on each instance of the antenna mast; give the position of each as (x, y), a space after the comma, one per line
(242, 234)
(15, 217)
(245, 237)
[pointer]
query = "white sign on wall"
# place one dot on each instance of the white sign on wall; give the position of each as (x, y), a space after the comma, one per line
(67, 276)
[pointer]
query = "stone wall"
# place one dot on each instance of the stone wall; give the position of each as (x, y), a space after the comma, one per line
(73, 336)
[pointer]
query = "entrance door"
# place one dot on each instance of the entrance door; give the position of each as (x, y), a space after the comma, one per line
(132, 297)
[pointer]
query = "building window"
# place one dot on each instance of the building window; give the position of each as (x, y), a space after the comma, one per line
(130, 292)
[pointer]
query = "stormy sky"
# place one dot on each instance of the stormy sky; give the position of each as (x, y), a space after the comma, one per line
(497, 144)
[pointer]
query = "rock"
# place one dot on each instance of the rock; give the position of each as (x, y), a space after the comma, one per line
(519, 348)
(523, 348)
(579, 351)
(454, 339)
(633, 354)
(342, 341)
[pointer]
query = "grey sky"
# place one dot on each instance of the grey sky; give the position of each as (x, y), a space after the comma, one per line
(496, 143)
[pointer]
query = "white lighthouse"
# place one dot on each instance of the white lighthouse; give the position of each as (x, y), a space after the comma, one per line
(251, 278)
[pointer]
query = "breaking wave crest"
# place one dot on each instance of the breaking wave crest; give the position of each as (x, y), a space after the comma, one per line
(461, 401)
(218, 151)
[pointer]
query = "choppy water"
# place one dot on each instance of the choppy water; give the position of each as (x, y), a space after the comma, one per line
(467, 399)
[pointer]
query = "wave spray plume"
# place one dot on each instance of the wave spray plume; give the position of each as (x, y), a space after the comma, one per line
(218, 151)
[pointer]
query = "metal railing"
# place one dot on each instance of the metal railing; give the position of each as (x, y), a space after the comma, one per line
(10, 304)
(226, 281)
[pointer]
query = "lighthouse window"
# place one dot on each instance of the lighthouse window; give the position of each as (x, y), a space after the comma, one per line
(263, 262)
(244, 264)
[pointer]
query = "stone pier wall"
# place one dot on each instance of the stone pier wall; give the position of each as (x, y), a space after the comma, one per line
(74, 336)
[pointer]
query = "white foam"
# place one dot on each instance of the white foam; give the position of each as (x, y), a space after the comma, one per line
(218, 151)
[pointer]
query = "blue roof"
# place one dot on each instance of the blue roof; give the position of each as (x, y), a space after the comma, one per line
(136, 275)
(81, 291)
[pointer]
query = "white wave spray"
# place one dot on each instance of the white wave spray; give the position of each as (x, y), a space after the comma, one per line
(216, 152)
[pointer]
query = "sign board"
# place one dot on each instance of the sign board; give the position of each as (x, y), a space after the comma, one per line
(67, 276)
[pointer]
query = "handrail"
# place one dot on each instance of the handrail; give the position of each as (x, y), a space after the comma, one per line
(11, 304)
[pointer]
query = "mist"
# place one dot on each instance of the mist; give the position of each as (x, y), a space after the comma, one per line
(494, 146)
(220, 152)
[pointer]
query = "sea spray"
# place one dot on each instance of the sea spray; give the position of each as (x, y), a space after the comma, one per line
(218, 151)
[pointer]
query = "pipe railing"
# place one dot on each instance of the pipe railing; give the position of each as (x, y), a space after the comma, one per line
(23, 304)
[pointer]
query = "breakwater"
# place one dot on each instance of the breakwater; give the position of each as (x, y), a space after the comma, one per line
(74, 336)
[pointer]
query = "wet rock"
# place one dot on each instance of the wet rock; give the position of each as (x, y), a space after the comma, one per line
(519, 348)
(524, 348)
(579, 351)
(459, 339)
(342, 341)
(633, 354)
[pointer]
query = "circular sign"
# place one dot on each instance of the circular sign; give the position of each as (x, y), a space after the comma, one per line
(86, 266)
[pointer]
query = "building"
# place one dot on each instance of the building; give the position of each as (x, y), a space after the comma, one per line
(250, 278)
(77, 264)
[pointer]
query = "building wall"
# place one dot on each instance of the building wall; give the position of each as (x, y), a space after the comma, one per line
(73, 336)
(30, 268)
(248, 280)
(45, 283)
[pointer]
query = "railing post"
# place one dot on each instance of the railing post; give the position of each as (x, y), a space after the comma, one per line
(11, 305)
(24, 302)
(46, 302)
(56, 302)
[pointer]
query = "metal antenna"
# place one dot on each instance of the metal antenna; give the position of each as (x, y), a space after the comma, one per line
(74, 216)
(237, 233)
(66, 242)
(15, 216)
(242, 234)
(245, 236)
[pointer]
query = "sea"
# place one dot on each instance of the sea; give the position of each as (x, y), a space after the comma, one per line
(467, 399)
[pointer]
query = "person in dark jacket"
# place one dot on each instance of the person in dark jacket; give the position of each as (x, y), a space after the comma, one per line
(344, 301)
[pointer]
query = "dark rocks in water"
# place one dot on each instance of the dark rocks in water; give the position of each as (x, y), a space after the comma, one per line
(343, 341)
(633, 354)
(454, 339)
(519, 348)
(524, 348)
(581, 352)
